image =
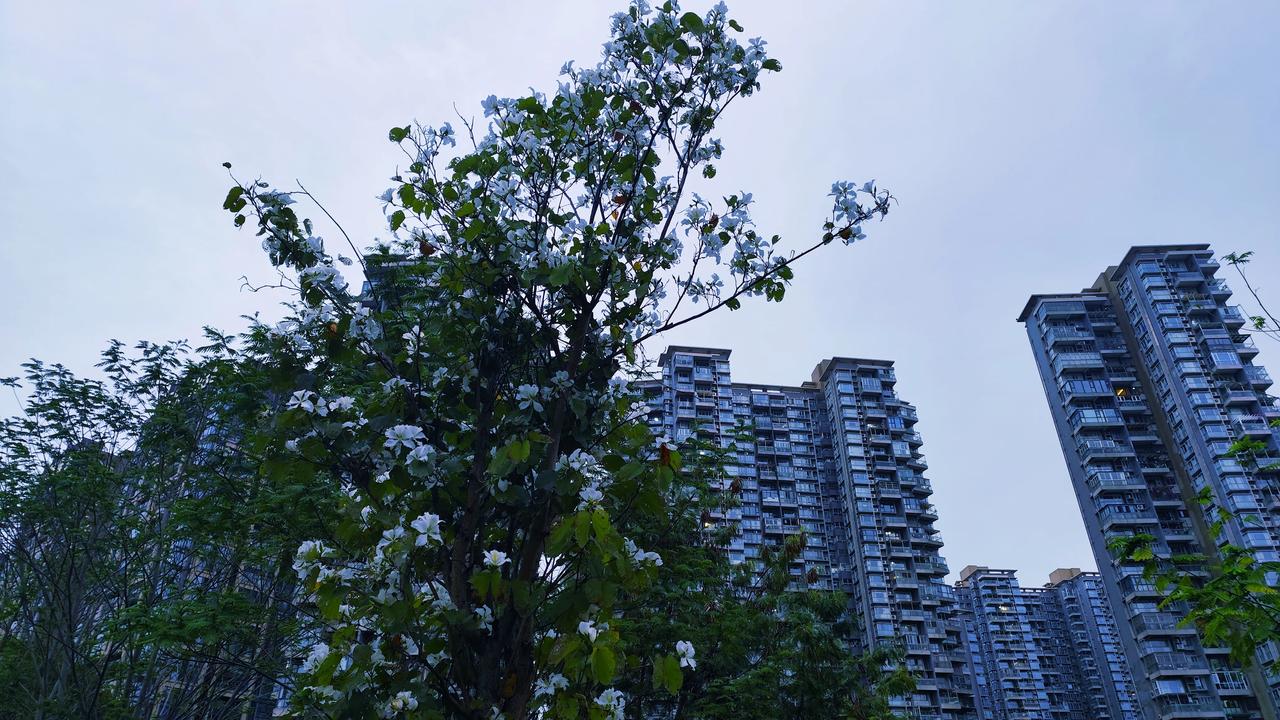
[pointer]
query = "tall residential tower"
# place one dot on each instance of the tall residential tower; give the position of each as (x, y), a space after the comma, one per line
(1149, 380)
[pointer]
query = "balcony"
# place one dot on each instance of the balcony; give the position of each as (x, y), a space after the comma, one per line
(1137, 585)
(1239, 395)
(1230, 681)
(1056, 335)
(1175, 663)
(1219, 288)
(1257, 376)
(1095, 417)
(1255, 425)
(1246, 347)
(1126, 515)
(1191, 708)
(1195, 306)
(1177, 531)
(1114, 480)
(1086, 388)
(1159, 622)
(1061, 308)
(1094, 449)
(934, 539)
(1232, 316)
(1077, 361)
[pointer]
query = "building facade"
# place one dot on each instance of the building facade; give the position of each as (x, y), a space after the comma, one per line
(1048, 653)
(836, 458)
(1149, 380)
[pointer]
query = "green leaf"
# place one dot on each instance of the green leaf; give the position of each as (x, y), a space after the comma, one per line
(468, 209)
(600, 524)
(397, 219)
(396, 134)
(771, 64)
(603, 664)
(672, 677)
(692, 22)
(233, 196)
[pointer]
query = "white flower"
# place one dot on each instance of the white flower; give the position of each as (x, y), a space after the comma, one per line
(428, 528)
(613, 701)
(422, 454)
(403, 701)
(486, 617)
(640, 556)
(527, 396)
(412, 339)
(588, 628)
(590, 496)
(342, 403)
(307, 402)
(406, 435)
(495, 558)
(309, 553)
(291, 445)
(663, 441)
(550, 685)
(684, 649)
(319, 652)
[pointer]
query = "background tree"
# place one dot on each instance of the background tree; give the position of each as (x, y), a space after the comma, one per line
(146, 552)
(474, 406)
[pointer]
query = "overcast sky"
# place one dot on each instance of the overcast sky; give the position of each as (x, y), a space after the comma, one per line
(1029, 145)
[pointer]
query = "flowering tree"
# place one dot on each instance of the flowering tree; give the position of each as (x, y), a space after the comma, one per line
(474, 402)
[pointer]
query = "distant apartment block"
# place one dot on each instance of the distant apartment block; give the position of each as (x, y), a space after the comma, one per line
(1048, 653)
(1150, 379)
(836, 457)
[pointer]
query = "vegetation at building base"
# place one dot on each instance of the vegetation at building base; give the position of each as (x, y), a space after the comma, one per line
(441, 493)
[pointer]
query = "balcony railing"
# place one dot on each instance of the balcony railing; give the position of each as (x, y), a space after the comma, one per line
(1175, 708)
(1174, 661)
(1114, 479)
(1129, 516)
(1158, 621)
(1064, 334)
(1257, 375)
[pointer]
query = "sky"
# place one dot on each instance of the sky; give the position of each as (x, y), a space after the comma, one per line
(1029, 145)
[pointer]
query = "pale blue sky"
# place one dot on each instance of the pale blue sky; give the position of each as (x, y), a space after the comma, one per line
(1029, 144)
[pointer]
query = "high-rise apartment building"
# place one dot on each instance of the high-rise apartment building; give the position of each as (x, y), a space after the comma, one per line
(1048, 653)
(1092, 670)
(1014, 687)
(838, 458)
(1149, 380)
